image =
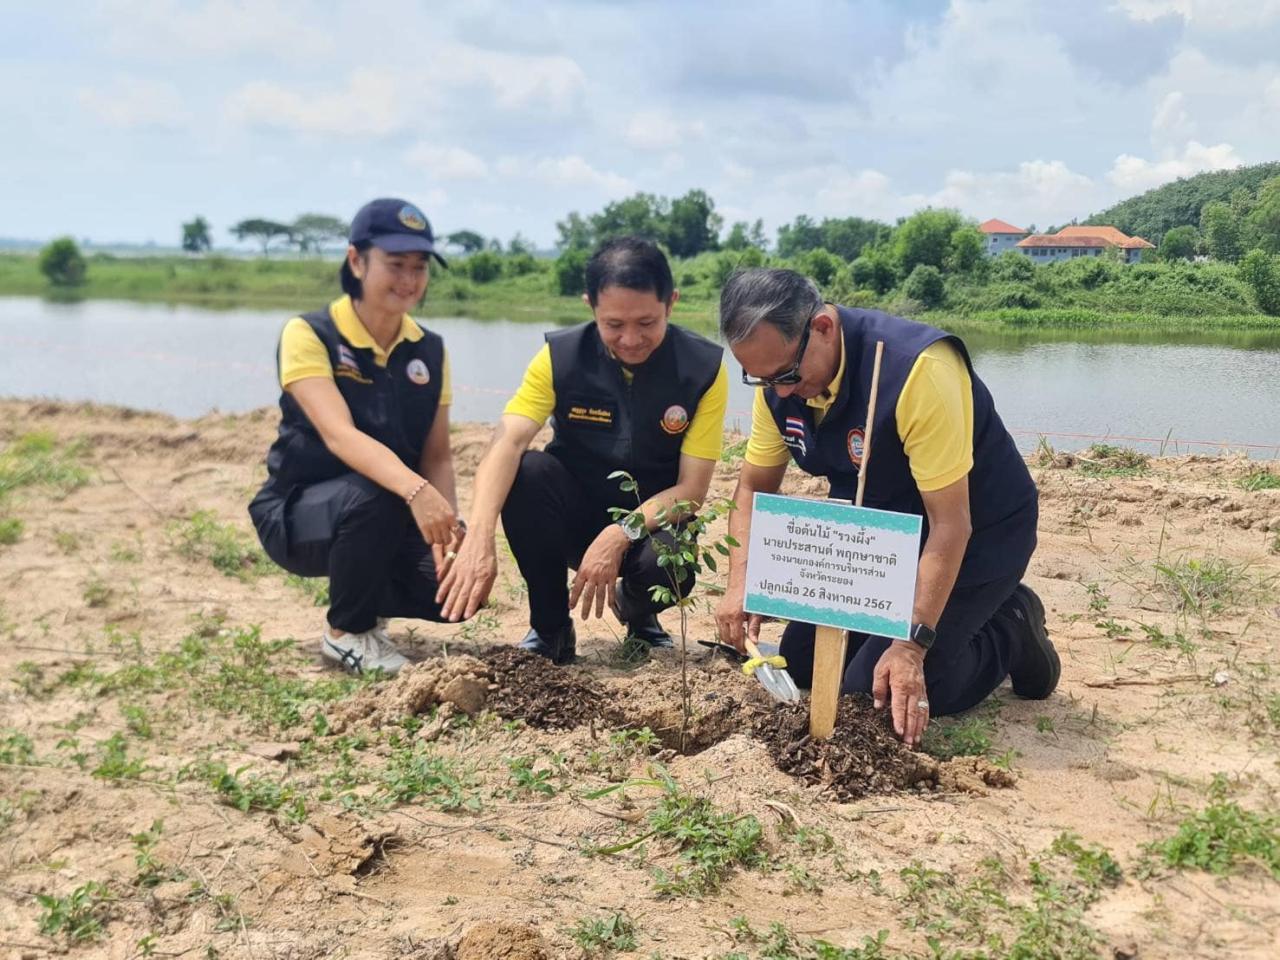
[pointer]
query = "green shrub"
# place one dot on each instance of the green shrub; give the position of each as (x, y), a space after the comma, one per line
(483, 267)
(63, 263)
(569, 273)
(925, 285)
(819, 264)
(1261, 272)
(1012, 265)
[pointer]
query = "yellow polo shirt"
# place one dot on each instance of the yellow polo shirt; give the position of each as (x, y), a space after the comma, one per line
(302, 354)
(934, 416)
(536, 399)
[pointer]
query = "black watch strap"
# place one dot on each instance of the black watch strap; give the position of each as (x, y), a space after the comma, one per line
(923, 635)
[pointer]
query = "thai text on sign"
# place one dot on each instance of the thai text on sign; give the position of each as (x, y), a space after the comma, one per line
(832, 564)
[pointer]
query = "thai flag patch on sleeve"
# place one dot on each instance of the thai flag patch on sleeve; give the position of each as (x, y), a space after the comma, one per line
(793, 433)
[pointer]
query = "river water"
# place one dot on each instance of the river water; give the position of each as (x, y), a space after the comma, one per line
(1190, 394)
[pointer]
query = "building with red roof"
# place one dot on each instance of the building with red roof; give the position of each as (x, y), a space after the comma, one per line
(1082, 240)
(1001, 236)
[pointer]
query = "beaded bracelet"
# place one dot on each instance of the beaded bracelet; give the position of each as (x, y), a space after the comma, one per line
(416, 491)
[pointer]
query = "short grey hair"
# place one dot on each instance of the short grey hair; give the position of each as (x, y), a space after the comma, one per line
(782, 298)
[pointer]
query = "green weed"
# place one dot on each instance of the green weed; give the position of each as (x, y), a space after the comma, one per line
(229, 550)
(601, 937)
(1109, 460)
(17, 747)
(114, 762)
(733, 452)
(1206, 587)
(526, 780)
(414, 771)
(253, 792)
(316, 589)
(1260, 478)
(10, 531)
(780, 943)
(95, 592)
(971, 736)
(1223, 836)
(68, 541)
(151, 870)
(78, 916)
(36, 460)
(711, 843)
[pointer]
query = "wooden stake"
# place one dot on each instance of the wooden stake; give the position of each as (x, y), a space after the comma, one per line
(830, 643)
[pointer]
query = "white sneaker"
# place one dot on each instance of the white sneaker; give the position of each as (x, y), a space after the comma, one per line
(363, 652)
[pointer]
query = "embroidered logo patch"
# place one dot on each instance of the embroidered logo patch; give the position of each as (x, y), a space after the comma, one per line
(348, 366)
(675, 419)
(412, 217)
(793, 434)
(856, 443)
(599, 416)
(417, 372)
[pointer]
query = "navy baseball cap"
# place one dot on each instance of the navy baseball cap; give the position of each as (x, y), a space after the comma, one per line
(396, 226)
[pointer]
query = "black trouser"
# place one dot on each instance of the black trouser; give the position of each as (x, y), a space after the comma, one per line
(550, 521)
(976, 639)
(359, 535)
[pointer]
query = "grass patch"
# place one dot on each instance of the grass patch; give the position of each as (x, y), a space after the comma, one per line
(1260, 478)
(1222, 837)
(114, 762)
(78, 917)
(231, 551)
(984, 913)
(415, 772)
(968, 736)
(315, 589)
(1109, 460)
(247, 793)
(780, 943)
(17, 748)
(1207, 587)
(10, 531)
(601, 937)
(36, 460)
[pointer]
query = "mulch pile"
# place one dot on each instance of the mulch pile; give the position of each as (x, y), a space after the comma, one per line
(533, 689)
(862, 756)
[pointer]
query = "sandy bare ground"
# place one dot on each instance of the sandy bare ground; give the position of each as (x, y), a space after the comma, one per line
(102, 582)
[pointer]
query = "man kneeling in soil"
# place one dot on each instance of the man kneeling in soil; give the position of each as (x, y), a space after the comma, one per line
(941, 451)
(629, 392)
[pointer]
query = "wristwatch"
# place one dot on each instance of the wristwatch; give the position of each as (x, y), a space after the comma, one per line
(923, 636)
(634, 531)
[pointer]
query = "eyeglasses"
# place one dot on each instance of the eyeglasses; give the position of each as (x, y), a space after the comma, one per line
(790, 376)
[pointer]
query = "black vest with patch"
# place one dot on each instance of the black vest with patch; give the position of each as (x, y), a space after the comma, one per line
(385, 402)
(602, 423)
(1002, 496)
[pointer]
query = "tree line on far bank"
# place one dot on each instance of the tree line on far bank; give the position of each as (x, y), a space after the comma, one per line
(933, 258)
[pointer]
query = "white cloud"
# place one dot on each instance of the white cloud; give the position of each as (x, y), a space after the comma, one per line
(514, 80)
(131, 103)
(1136, 174)
(1213, 13)
(363, 108)
(574, 171)
(660, 130)
(170, 29)
(1036, 191)
(1171, 121)
(447, 163)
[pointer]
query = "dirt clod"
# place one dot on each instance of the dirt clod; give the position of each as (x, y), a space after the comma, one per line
(500, 940)
(461, 681)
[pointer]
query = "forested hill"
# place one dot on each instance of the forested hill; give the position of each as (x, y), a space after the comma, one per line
(1177, 204)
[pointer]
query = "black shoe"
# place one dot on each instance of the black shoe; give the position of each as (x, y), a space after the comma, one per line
(1034, 667)
(560, 648)
(648, 629)
(639, 621)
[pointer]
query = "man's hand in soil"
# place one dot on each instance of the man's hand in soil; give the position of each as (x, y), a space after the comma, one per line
(899, 679)
(730, 619)
(598, 572)
(466, 582)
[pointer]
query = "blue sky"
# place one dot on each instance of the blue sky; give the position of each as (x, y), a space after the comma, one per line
(125, 117)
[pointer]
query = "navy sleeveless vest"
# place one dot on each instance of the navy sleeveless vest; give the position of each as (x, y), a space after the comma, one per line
(395, 404)
(1002, 496)
(602, 423)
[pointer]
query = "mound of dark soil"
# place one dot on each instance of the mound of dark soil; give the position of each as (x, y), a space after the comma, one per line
(533, 689)
(862, 756)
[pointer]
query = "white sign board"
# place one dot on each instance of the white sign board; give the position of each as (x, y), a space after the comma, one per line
(832, 564)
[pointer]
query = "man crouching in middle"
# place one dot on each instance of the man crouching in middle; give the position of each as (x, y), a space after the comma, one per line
(629, 391)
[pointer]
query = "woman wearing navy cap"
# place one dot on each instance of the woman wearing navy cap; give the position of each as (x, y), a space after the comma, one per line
(360, 484)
